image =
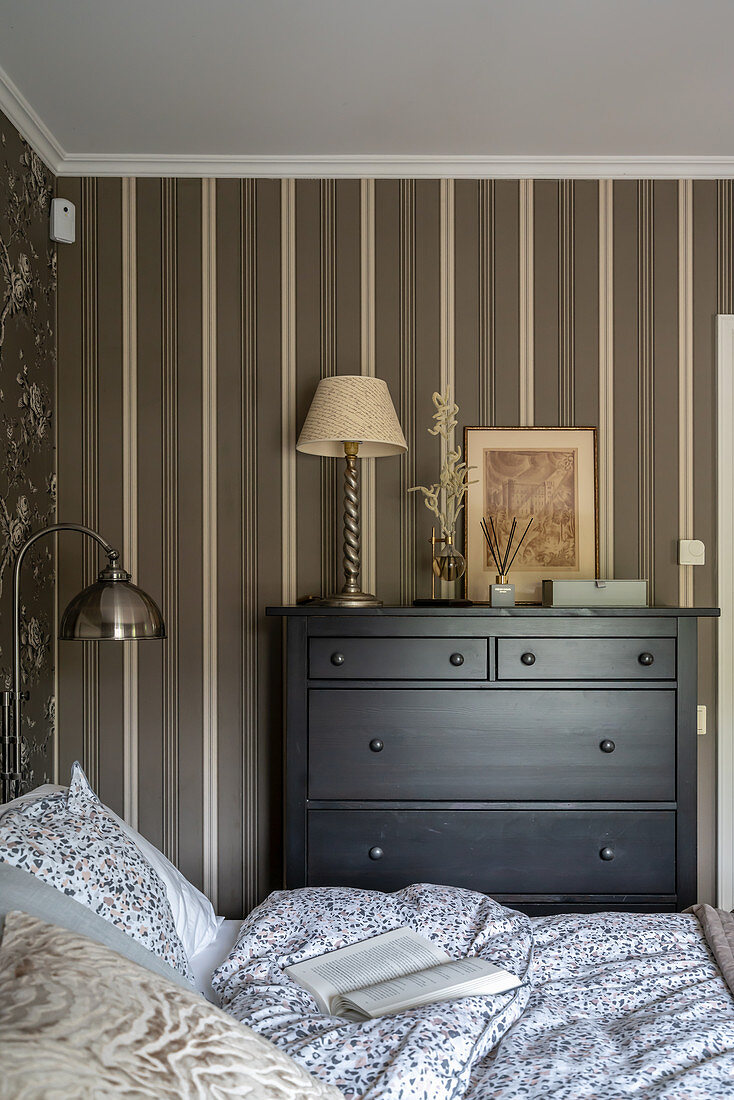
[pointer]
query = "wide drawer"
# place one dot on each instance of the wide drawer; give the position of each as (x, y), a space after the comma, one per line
(586, 658)
(398, 658)
(495, 851)
(548, 745)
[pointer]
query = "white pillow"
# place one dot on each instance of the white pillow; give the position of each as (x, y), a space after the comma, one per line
(193, 914)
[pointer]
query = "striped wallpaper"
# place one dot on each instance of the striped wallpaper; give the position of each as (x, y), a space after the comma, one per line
(195, 318)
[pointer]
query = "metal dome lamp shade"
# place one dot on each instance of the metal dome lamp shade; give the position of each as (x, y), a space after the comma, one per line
(111, 609)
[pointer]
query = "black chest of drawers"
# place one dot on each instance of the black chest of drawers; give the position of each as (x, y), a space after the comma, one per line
(545, 757)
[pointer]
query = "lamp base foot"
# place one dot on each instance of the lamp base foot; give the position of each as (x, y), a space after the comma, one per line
(349, 599)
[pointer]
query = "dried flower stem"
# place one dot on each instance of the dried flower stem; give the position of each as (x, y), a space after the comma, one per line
(453, 475)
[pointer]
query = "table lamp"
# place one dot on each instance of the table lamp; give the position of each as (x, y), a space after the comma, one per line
(351, 415)
(110, 609)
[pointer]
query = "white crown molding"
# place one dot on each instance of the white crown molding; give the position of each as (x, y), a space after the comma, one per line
(29, 124)
(347, 166)
(400, 167)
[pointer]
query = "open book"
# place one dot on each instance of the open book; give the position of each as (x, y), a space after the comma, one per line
(393, 972)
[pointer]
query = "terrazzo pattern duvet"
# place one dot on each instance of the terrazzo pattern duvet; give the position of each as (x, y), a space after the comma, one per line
(612, 1005)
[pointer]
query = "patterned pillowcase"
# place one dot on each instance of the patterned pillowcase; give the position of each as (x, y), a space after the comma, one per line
(72, 842)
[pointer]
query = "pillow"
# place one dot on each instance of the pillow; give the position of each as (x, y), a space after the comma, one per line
(31, 796)
(193, 914)
(73, 843)
(20, 890)
(78, 1020)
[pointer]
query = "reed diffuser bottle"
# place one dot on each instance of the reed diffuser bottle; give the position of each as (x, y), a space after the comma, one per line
(502, 593)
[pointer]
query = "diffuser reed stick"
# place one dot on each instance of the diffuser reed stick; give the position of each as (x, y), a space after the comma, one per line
(509, 567)
(490, 544)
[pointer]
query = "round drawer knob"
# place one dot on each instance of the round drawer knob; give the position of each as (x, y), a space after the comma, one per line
(606, 745)
(606, 854)
(376, 853)
(528, 658)
(457, 659)
(337, 659)
(646, 659)
(377, 745)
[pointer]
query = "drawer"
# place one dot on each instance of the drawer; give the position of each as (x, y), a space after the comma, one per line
(529, 744)
(398, 658)
(495, 851)
(586, 658)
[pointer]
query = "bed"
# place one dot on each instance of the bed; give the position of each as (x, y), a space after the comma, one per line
(611, 1004)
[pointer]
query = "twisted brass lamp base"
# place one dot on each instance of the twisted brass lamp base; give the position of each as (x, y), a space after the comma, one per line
(351, 594)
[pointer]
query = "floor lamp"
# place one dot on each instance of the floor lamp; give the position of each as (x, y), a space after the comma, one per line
(111, 609)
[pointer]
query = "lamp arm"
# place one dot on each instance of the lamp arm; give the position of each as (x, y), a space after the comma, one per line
(111, 553)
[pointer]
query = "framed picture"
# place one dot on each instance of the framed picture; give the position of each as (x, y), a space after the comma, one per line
(547, 474)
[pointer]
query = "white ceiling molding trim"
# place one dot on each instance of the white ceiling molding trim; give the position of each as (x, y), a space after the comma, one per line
(29, 124)
(399, 167)
(349, 166)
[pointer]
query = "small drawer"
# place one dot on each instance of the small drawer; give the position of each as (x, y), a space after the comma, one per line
(586, 658)
(615, 745)
(495, 851)
(398, 658)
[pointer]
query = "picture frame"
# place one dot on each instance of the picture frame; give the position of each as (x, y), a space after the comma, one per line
(549, 474)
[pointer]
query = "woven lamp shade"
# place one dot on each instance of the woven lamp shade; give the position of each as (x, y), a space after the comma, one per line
(352, 408)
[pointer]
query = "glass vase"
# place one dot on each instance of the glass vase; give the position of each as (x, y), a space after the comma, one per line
(448, 563)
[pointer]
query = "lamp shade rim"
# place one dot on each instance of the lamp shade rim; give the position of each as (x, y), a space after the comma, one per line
(368, 448)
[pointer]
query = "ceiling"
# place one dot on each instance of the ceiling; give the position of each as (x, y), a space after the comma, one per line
(112, 85)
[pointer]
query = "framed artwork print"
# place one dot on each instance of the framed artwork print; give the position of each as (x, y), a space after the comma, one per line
(548, 474)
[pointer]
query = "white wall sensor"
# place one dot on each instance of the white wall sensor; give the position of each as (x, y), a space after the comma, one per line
(691, 552)
(62, 222)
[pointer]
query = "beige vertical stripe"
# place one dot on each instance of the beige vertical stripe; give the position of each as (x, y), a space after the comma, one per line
(725, 231)
(367, 344)
(288, 386)
(566, 320)
(250, 678)
(606, 378)
(130, 486)
(447, 318)
(331, 472)
(685, 381)
(447, 291)
(407, 389)
(486, 303)
(90, 661)
(209, 513)
(169, 350)
(646, 380)
(527, 305)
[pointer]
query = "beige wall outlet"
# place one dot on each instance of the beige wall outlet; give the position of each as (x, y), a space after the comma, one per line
(700, 721)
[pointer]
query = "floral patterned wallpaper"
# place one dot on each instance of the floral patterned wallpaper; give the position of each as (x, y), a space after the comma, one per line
(27, 448)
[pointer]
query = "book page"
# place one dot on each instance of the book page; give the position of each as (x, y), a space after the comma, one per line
(390, 955)
(463, 977)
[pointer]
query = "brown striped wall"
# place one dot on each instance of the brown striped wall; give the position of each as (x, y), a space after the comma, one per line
(195, 318)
